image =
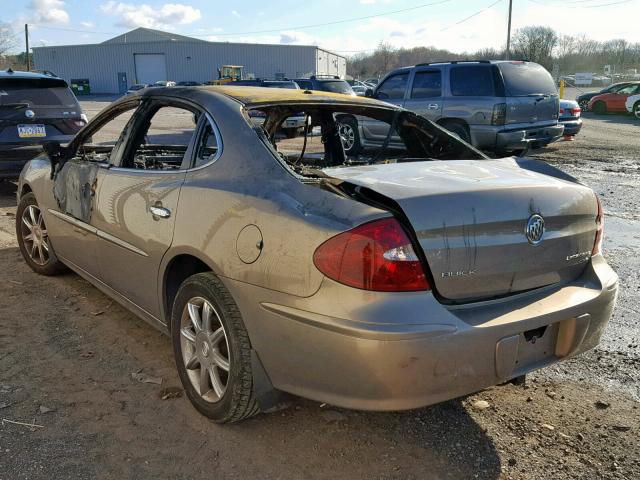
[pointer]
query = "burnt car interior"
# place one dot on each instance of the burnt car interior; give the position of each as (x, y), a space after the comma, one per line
(407, 137)
(157, 137)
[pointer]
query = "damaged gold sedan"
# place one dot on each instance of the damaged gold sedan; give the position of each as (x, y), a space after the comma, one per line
(418, 271)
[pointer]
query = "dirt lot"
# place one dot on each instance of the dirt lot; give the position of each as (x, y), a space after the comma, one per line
(67, 353)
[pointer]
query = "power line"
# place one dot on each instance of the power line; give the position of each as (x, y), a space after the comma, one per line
(277, 30)
(472, 15)
(619, 2)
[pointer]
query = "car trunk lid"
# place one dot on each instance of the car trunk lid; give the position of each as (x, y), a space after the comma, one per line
(470, 218)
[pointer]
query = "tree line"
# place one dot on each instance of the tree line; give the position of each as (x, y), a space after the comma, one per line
(535, 43)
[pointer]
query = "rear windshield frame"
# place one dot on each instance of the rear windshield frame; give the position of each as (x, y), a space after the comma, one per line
(525, 79)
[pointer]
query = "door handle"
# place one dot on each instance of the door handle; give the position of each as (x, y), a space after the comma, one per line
(433, 106)
(160, 212)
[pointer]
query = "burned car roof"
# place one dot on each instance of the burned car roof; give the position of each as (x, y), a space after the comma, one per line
(257, 96)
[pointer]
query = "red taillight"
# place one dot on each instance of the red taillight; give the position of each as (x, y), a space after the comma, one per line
(597, 244)
(562, 110)
(374, 256)
(499, 114)
(576, 111)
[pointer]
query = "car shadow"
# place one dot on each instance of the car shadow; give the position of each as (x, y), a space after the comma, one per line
(80, 331)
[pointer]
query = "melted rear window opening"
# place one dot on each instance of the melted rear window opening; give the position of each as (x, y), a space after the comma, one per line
(310, 138)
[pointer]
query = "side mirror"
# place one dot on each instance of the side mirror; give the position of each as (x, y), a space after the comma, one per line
(52, 148)
(54, 151)
(368, 93)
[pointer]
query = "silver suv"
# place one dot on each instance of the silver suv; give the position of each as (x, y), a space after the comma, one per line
(505, 106)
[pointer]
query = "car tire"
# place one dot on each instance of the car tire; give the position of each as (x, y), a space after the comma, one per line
(212, 350)
(636, 110)
(600, 108)
(584, 105)
(459, 129)
(33, 239)
(348, 131)
(291, 132)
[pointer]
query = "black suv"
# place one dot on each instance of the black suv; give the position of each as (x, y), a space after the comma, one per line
(327, 83)
(34, 108)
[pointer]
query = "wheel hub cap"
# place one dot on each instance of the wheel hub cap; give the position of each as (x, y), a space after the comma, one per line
(205, 349)
(34, 236)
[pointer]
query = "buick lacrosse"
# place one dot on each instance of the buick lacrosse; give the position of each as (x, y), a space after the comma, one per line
(416, 272)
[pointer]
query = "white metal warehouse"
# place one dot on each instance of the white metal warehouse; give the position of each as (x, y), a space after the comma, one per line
(144, 56)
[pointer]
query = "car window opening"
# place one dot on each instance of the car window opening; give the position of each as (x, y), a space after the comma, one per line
(325, 137)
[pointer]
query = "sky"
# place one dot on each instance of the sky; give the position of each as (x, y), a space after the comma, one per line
(457, 25)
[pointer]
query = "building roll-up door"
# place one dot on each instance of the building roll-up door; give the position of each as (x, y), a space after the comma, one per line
(150, 67)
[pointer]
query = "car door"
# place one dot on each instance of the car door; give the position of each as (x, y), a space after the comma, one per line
(70, 220)
(138, 197)
(425, 94)
(616, 101)
(391, 90)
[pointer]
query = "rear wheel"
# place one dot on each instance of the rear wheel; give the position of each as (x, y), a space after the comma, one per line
(636, 110)
(459, 129)
(212, 350)
(348, 131)
(33, 238)
(600, 108)
(584, 104)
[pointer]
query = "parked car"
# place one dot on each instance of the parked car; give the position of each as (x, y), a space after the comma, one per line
(135, 88)
(613, 102)
(265, 83)
(360, 90)
(393, 284)
(326, 83)
(632, 104)
(504, 106)
(373, 81)
(584, 98)
(34, 108)
(570, 117)
(292, 126)
(188, 83)
(163, 83)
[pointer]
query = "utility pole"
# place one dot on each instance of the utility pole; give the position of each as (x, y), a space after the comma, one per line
(26, 41)
(509, 31)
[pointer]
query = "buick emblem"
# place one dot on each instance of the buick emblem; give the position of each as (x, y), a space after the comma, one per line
(534, 229)
(29, 114)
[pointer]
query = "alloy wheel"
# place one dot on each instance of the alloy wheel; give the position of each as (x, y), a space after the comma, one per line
(636, 111)
(347, 135)
(34, 235)
(205, 349)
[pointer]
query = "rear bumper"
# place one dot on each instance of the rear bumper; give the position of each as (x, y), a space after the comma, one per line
(293, 122)
(376, 351)
(13, 159)
(536, 136)
(571, 127)
(496, 137)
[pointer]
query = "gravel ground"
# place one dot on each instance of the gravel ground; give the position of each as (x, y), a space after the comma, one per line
(67, 353)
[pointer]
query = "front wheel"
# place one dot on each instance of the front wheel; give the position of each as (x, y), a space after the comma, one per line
(212, 350)
(348, 131)
(33, 238)
(584, 105)
(636, 110)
